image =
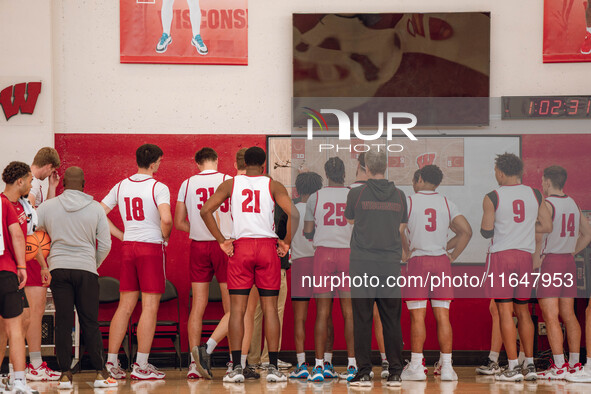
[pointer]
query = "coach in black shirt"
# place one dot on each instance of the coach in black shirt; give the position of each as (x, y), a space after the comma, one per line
(378, 212)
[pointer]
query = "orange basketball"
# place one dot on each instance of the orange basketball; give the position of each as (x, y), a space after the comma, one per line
(31, 247)
(44, 242)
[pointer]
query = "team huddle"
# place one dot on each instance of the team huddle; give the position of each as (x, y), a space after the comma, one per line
(245, 229)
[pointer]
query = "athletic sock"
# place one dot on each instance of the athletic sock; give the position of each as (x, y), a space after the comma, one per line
(301, 358)
(445, 359)
(320, 363)
(236, 355)
(416, 359)
(588, 362)
(384, 358)
(352, 362)
(494, 356)
(19, 375)
(211, 344)
(112, 358)
(512, 364)
(273, 356)
(573, 358)
(36, 360)
(243, 360)
(558, 360)
(192, 358)
(142, 359)
(328, 357)
(521, 357)
(528, 361)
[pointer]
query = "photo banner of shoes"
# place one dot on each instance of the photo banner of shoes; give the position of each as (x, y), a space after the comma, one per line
(184, 31)
(567, 31)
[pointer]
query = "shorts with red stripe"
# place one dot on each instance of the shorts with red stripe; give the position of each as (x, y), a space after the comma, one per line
(34, 274)
(330, 262)
(254, 262)
(206, 259)
(508, 264)
(556, 266)
(300, 268)
(426, 267)
(142, 267)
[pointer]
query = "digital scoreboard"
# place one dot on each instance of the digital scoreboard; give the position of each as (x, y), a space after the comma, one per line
(546, 107)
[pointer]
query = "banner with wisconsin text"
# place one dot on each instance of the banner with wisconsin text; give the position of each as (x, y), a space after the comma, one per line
(184, 31)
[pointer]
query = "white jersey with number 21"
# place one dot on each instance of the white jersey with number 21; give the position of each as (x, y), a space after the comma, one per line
(253, 207)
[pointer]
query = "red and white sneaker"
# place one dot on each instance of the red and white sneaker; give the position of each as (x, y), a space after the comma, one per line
(554, 373)
(147, 372)
(575, 368)
(437, 369)
(193, 372)
(116, 371)
(43, 373)
(425, 367)
(586, 47)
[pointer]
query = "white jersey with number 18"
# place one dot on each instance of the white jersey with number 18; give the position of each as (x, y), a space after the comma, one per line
(253, 207)
(138, 198)
(566, 218)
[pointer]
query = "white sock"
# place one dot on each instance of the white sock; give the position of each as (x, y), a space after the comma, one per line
(243, 360)
(192, 358)
(19, 375)
(232, 361)
(328, 357)
(319, 363)
(352, 362)
(166, 14)
(301, 358)
(142, 359)
(494, 356)
(512, 364)
(384, 358)
(416, 359)
(573, 358)
(588, 362)
(211, 344)
(529, 360)
(589, 29)
(445, 359)
(36, 360)
(521, 357)
(558, 360)
(112, 358)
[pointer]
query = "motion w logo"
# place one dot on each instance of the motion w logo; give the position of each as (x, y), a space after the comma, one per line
(425, 159)
(20, 97)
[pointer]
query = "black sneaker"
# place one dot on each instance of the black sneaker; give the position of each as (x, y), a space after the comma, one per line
(361, 380)
(202, 361)
(394, 381)
(250, 373)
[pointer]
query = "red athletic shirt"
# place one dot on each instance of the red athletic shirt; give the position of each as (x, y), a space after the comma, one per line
(9, 217)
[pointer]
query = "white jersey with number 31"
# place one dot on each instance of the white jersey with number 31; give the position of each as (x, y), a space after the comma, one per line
(253, 207)
(565, 231)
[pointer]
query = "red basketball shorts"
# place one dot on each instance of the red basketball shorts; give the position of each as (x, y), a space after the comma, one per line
(34, 274)
(206, 259)
(255, 262)
(331, 262)
(142, 267)
(558, 277)
(508, 268)
(418, 271)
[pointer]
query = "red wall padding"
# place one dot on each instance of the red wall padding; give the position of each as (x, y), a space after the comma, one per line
(107, 158)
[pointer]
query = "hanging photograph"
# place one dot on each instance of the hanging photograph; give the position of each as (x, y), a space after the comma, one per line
(184, 31)
(567, 31)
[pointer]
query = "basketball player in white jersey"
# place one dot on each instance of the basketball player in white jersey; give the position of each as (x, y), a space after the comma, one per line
(195, 16)
(254, 252)
(206, 256)
(570, 234)
(144, 205)
(326, 224)
(430, 216)
(512, 215)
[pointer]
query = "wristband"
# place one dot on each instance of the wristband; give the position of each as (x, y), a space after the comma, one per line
(21, 268)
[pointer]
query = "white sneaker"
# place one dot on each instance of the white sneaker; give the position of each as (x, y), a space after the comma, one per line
(102, 382)
(413, 372)
(163, 43)
(43, 373)
(581, 376)
(230, 366)
(554, 373)
(65, 382)
(20, 387)
(193, 373)
(115, 370)
(274, 375)
(198, 43)
(146, 372)
(235, 376)
(448, 373)
(510, 375)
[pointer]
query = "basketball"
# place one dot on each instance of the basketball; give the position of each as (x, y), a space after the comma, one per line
(32, 246)
(44, 242)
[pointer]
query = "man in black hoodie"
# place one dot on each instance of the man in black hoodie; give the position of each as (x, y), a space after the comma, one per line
(378, 212)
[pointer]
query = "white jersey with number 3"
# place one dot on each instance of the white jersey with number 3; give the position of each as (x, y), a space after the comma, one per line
(253, 207)
(429, 217)
(565, 231)
(194, 192)
(326, 208)
(138, 198)
(515, 219)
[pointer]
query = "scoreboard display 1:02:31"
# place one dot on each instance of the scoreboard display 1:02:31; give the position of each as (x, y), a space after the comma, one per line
(546, 107)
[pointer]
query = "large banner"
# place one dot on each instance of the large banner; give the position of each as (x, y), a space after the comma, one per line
(567, 31)
(184, 31)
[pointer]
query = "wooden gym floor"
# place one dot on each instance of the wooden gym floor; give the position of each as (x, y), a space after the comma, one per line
(177, 383)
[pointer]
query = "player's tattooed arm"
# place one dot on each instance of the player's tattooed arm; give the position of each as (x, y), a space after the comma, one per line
(463, 234)
(165, 220)
(180, 217)
(584, 233)
(544, 222)
(293, 216)
(115, 231)
(223, 192)
(487, 226)
(404, 241)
